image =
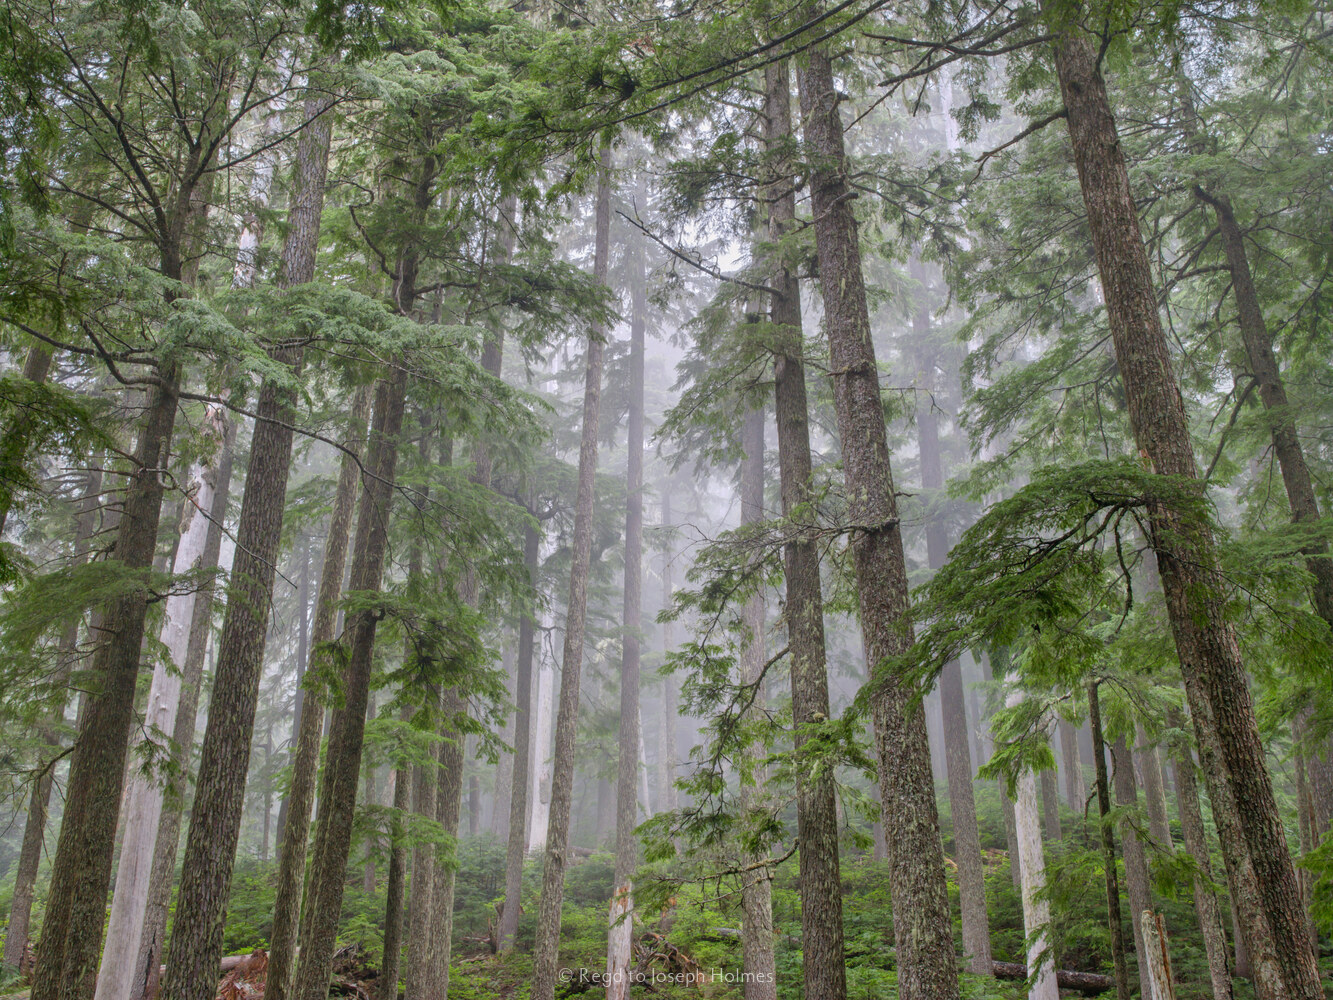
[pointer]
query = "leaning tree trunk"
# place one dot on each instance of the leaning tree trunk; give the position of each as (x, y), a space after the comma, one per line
(545, 950)
(153, 936)
(294, 833)
(34, 826)
(757, 958)
(1192, 830)
(957, 755)
(210, 851)
(146, 796)
(1131, 850)
(67, 955)
(1113, 918)
(1259, 868)
(342, 770)
(816, 805)
(516, 849)
(921, 923)
(620, 935)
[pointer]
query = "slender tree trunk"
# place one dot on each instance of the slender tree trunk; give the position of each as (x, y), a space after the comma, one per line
(337, 804)
(153, 937)
(667, 776)
(67, 955)
(816, 818)
(294, 832)
(448, 798)
(394, 895)
(34, 827)
(1259, 868)
(1196, 843)
(1154, 789)
(545, 951)
(1076, 789)
(757, 958)
(516, 849)
(504, 768)
(302, 660)
(145, 796)
(620, 937)
(921, 922)
(957, 755)
(1113, 917)
(1131, 849)
(1001, 655)
(210, 851)
(368, 781)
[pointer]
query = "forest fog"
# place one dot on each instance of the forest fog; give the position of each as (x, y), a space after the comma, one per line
(510, 502)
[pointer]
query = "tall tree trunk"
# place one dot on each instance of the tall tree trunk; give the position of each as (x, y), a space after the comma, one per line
(210, 851)
(620, 937)
(504, 768)
(1196, 843)
(34, 826)
(1259, 868)
(957, 755)
(67, 955)
(1113, 918)
(302, 661)
(516, 849)
(667, 776)
(816, 817)
(1154, 788)
(1131, 849)
(153, 937)
(145, 796)
(757, 958)
(368, 781)
(337, 803)
(545, 951)
(1000, 655)
(921, 922)
(294, 832)
(1076, 789)
(394, 894)
(1050, 807)
(1036, 908)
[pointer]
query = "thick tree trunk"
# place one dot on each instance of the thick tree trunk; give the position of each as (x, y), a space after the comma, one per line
(757, 958)
(1259, 868)
(1196, 843)
(545, 951)
(153, 936)
(294, 832)
(957, 755)
(394, 893)
(34, 826)
(1036, 908)
(1131, 849)
(1103, 791)
(921, 922)
(145, 796)
(337, 803)
(620, 937)
(516, 849)
(67, 955)
(816, 817)
(210, 851)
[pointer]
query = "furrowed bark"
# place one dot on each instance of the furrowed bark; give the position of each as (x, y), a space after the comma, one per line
(546, 948)
(921, 923)
(1259, 868)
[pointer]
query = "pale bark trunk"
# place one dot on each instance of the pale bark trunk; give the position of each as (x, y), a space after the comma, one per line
(666, 779)
(1259, 867)
(295, 829)
(541, 762)
(620, 936)
(545, 951)
(927, 967)
(1050, 807)
(1206, 905)
(1076, 789)
(1036, 909)
(504, 768)
(210, 851)
(823, 967)
(34, 827)
(1131, 850)
(1157, 956)
(337, 804)
(145, 796)
(520, 786)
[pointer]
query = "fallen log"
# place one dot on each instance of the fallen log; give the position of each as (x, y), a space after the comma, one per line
(1066, 979)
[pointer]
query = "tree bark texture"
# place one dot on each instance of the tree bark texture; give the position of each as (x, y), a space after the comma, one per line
(547, 946)
(1154, 788)
(1103, 791)
(1036, 909)
(1076, 789)
(395, 885)
(1131, 850)
(921, 922)
(1259, 868)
